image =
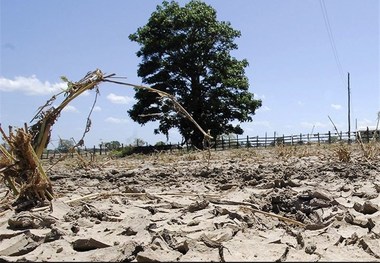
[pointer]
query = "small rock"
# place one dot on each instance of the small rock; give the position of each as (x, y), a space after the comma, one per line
(197, 206)
(193, 223)
(226, 186)
(114, 171)
(85, 244)
(309, 249)
(75, 228)
(369, 208)
(321, 195)
(183, 247)
(53, 235)
(345, 188)
(128, 231)
(358, 207)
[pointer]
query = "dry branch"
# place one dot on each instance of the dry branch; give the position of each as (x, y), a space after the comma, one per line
(276, 216)
(163, 94)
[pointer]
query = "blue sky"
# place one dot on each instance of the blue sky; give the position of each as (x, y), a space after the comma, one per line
(292, 67)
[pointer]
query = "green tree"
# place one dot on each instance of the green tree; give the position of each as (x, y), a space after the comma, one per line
(185, 52)
(112, 145)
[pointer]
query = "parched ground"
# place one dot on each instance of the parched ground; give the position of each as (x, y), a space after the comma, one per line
(304, 203)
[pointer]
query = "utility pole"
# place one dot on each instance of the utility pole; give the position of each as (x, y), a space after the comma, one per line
(349, 114)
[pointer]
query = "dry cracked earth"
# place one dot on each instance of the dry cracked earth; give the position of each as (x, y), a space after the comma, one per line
(281, 204)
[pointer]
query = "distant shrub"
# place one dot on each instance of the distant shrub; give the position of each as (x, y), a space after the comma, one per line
(159, 143)
(122, 152)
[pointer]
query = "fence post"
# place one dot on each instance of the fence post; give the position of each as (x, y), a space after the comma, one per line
(367, 134)
(257, 141)
(265, 145)
(292, 140)
(300, 138)
(237, 141)
(215, 142)
(229, 143)
(247, 141)
(47, 154)
(319, 142)
(274, 138)
(329, 137)
(222, 143)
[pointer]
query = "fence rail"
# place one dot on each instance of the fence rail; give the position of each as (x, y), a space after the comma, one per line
(297, 139)
(242, 142)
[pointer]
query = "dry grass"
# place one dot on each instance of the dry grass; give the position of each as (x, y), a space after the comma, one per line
(370, 150)
(342, 151)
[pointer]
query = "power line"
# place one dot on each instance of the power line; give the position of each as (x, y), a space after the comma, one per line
(331, 39)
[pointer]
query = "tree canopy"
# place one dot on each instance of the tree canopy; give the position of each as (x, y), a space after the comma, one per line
(185, 52)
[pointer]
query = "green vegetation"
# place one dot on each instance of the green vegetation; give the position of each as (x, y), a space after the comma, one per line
(113, 145)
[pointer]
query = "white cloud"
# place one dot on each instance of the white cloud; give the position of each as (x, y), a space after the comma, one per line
(85, 93)
(262, 123)
(119, 99)
(336, 106)
(116, 120)
(30, 86)
(70, 108)
(97, 108)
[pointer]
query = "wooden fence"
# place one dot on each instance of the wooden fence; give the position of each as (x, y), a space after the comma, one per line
(298, 139)
(241, 142)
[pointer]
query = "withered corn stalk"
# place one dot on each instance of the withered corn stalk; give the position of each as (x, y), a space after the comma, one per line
(22, 171)
(20, 165)
(41, 130)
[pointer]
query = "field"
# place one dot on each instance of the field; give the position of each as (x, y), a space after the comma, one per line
(291, 203)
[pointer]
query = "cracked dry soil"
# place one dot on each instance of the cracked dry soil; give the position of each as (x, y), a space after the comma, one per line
(281, 204)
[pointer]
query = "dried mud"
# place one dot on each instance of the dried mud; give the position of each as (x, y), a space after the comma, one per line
(279, 204)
